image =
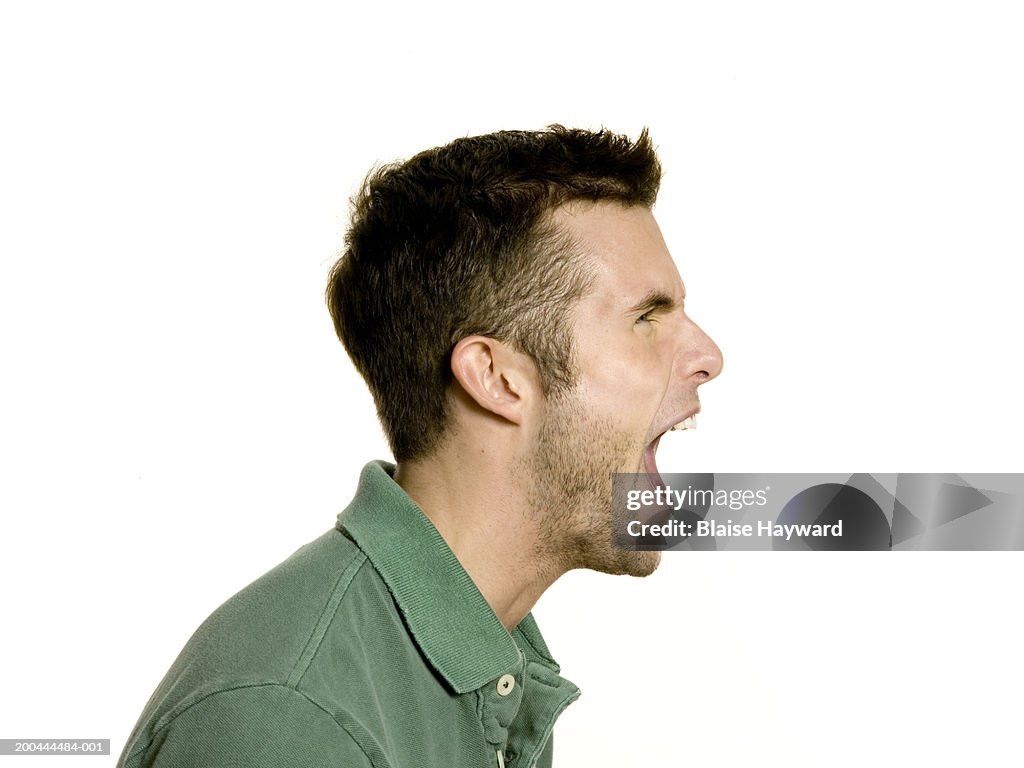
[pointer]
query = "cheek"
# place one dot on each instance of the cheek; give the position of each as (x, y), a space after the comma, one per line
(626, 387)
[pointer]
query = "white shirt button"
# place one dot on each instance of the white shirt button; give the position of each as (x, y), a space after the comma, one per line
(505, 685)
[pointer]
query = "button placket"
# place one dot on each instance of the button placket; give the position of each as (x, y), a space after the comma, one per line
(500, 700)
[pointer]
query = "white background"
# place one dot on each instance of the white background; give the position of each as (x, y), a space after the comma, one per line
(843, 195)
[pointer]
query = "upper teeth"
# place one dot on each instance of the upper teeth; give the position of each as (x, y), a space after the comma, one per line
(688, 423)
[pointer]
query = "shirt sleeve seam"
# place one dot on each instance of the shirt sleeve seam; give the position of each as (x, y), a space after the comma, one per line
(139, 750)
(319, 631)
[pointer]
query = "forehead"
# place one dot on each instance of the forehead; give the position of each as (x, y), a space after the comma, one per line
(626, 250)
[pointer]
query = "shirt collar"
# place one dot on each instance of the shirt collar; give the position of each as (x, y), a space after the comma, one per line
(453, 624)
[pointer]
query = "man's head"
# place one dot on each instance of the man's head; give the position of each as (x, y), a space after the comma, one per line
(465, 240)
(640, 361)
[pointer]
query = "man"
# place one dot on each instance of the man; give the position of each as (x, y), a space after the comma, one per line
(515, 312)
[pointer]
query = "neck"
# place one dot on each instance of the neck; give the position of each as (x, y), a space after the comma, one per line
(472, 498)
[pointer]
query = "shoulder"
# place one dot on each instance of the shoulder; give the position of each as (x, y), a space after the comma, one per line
(241, 675)
(265, 630)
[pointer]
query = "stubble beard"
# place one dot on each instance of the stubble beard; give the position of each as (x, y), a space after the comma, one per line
(569, 475)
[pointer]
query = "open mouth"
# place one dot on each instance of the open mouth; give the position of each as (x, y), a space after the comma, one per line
(650, 464)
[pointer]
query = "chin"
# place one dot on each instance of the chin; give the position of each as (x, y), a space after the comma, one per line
(646, 563)
(625, 563)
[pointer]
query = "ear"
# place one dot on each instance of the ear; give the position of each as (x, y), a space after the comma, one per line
(496, 377)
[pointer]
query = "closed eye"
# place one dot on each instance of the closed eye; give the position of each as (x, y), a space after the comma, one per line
(652, 305)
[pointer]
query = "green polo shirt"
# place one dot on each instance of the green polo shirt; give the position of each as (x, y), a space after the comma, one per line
(370, 646)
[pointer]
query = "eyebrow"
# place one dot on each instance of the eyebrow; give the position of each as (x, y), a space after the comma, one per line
(654, 300)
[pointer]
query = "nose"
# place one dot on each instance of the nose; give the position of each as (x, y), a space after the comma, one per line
(699, 356)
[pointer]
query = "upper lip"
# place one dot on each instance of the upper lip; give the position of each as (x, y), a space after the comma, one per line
(676, 420)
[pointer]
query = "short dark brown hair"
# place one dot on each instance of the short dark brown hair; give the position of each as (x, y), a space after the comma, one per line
(457, 242)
